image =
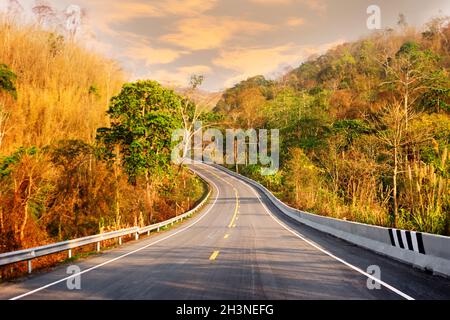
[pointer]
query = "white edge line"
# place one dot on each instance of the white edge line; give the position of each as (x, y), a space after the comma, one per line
(298, 235)
(129, 253)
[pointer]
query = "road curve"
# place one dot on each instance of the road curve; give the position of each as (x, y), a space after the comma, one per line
(240, 247)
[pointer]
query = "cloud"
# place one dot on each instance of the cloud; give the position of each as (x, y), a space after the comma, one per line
(113, 12)
(197, 69)
(315, 5)
(126, 10)
(295, 22)
(248, 62)
(153, 55)
(272, 2)
(205, 32)
(180, 77)
(188, 7)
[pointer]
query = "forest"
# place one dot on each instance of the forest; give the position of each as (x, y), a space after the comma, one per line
(365, 129)
(75, 158)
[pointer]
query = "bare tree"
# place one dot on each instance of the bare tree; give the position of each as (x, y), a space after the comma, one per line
(14, 7)
(397, 135)
(46, 16)
(191, 112)
(402, 21)
(73, 15)
(410, 73)
(13, 10)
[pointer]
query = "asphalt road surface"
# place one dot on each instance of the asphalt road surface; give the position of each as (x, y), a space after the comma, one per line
(238, 248)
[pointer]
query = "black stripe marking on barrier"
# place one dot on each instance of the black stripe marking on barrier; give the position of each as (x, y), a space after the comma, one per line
(414, 240)
(420, 243)
(391, 235)
(409, 240)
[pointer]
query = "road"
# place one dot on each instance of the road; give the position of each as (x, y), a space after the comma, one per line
(238, 248)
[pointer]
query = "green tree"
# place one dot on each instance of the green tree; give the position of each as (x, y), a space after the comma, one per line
(7, 84)
(7, 80)
(143, 117)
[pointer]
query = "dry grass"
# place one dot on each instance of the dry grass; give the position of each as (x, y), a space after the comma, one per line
(63, 90)
(53, 186)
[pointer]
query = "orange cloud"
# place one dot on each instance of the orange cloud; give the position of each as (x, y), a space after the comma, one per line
(252, 61)
(272, 2)
(197, 69)
(188, 7)
(180, 77)
(316, 5)
(121, 11)
(205, 32)
(295, 22)
(153, 56)
(247, 62)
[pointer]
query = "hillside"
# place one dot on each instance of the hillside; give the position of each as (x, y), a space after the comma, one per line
(204, 99)
(365, 129)
(56, 182)
(63, 90)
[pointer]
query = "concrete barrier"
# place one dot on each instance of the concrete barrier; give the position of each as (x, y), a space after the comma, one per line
(421, 250)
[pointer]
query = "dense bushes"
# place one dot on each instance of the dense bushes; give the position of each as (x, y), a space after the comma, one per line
(364, 128)
(54, 181)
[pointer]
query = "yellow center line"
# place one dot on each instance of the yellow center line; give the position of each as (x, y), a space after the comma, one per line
(233, 220)
(236, 210)
(214, 255)
(232, 224)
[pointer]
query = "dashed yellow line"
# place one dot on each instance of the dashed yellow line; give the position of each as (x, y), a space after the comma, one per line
(235, 217)
(233, 220)
(214, 256)
(236, 210)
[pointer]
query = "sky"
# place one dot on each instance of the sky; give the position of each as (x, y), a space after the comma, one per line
(227, 40)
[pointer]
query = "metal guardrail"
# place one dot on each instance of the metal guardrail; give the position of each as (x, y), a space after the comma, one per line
(32, 253)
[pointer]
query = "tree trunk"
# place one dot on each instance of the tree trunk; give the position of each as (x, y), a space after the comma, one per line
(236, 156)
(117, 191)
(2, 223)
(406, 100)
(395, 184)
(25, 217)
(23, 225)
(148, 193)
(187, 144)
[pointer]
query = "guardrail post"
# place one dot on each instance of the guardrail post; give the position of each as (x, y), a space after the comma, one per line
(30, 266)
(98, 246)
(158, 229)
(148, 233)
(136, 236)
(120, 241)
(70, 254)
